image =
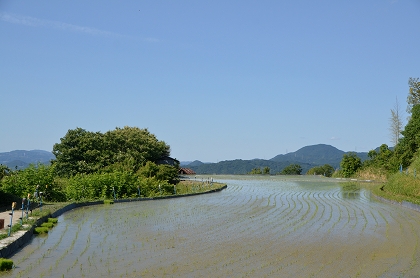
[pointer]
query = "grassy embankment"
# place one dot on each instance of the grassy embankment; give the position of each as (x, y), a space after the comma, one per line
(398, 187)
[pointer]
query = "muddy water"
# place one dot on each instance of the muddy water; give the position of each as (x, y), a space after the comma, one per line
(257, 227)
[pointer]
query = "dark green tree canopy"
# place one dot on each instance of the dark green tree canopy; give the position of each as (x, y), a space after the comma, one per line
(325, 170)
(410, 142)
(128, 148)
(382, 159)
(350, 164)
(4, 171)
(292, 169)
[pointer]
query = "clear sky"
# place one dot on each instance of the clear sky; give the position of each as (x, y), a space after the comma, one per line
(216, 80)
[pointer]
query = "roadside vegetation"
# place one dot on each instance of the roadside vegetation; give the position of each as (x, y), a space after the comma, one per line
(396, 168)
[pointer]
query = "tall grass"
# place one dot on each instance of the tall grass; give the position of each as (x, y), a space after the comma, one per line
(403, 186)
(371, 173)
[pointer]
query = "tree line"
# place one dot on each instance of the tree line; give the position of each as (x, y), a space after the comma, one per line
(385, 160)
(124, 162)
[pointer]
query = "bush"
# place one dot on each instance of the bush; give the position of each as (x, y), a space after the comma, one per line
(48, 225)
(23, 182)
(41, 230)
(5, 264)
(53, 220)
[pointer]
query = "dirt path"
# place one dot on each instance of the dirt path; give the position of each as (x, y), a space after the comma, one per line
(6, 217)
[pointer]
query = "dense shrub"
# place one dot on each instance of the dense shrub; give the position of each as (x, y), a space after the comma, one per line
(41, 230)
(53, 220)
(48, 225)
(23, 182)
(102, 186)
(5, 264)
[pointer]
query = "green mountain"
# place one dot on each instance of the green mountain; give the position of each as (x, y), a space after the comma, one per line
(307, 157)
(318, 155)
(20, 159)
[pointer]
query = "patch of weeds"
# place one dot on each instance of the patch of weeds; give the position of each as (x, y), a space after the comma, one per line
(48, 225)
(108, 202)
(53, 220)
(5, 264)
(41, 230)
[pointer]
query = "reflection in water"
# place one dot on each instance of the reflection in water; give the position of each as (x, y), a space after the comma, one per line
(350, 194)
(350, 190)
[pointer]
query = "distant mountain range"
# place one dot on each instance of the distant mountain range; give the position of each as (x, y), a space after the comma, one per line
(21, 159)
(307, 157)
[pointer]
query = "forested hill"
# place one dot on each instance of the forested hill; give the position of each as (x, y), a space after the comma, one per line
(22, 159)
(307, 157)
(318, 155)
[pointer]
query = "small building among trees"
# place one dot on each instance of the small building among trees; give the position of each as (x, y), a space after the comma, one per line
(186, 171)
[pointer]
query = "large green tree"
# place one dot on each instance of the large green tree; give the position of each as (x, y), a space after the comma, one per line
(325, 170)
(292, 169)
(128, 148)
(349, 164)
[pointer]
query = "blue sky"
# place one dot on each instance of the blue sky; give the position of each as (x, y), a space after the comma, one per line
(216, 80)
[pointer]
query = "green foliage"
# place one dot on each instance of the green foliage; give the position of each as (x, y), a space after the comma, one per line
(53, 220)
(404, 185)
(350, 164)
(122, 149)
(292, 169)
(108, 202)
(413, 97)
(4, 171)
(258, 171)
(41, 230)
(161, 172)
(48, 225)
(255, 171)
(23, 182)
(384, 159)
(98, 186)
(325, 170)
(101, 186)
(6, 199)
(5, 264)
(410, 143)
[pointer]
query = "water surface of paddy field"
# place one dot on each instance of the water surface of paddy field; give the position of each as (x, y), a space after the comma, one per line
(268, 226)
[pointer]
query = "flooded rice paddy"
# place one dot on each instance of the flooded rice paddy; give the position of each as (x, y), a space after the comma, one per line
(258, 227)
